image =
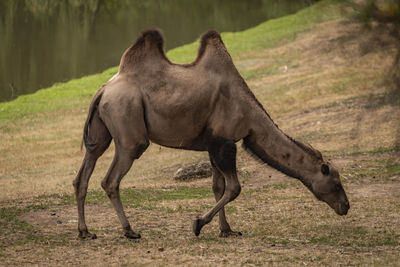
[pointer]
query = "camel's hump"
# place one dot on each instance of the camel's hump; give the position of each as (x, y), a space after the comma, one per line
(211, 37)
(153, 36)
(151, 39)
(210, 34)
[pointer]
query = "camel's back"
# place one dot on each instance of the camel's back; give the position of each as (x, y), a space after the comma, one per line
(181, 101)
(178, 104)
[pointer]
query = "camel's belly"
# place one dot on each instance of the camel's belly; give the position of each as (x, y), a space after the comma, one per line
(179, 133)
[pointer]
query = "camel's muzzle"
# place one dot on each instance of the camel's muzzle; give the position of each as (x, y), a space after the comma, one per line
(342, 208)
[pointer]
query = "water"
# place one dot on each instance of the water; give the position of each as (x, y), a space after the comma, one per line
(48, 41)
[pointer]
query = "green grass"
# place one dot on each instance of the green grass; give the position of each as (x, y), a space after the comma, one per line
(76, 94)
(73, 94)
(268, 34)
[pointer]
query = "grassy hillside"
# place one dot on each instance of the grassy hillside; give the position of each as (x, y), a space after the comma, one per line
(73, 94)
(321, 78)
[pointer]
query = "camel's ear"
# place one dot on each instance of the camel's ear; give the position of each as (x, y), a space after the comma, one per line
(325, 169)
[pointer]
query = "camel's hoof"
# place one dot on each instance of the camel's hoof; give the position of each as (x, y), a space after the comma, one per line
(132, 235)
(229, 233)
(197, 225)
(87, 235)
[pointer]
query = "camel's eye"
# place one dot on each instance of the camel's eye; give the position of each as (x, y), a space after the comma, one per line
(325, 169)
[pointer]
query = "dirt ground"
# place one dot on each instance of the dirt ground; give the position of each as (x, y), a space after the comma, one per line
(322, 90)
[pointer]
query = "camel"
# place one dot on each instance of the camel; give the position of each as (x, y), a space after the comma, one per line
(203, 106)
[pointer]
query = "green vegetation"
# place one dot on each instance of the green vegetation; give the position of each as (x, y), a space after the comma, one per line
(71, 95)
(77, 93)
(268, 34)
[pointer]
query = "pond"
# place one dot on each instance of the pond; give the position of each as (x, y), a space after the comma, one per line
(48, 41)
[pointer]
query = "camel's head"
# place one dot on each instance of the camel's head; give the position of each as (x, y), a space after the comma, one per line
(327, 187)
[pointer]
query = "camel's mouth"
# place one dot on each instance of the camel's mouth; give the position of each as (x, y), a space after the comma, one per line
(341, 208)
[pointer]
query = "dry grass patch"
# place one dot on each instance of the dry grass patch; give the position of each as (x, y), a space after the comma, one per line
(281, 222)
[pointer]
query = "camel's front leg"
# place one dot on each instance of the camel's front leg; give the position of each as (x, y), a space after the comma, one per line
(219, 189)
(223, 155)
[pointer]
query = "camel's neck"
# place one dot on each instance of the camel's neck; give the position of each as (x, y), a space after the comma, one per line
(280, 151)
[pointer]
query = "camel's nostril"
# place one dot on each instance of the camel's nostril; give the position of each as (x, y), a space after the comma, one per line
(344, 208)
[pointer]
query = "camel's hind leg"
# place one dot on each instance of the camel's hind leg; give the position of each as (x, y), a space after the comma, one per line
(130, 138)
(100, 139)
(223, 154)
(123, 159)
(219, 189)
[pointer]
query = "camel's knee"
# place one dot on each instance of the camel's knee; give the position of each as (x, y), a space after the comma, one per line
(112, 190)
(234, 191)
(109, 188)
(85, 170)
(80, 190)
(79, 185)
(76, 183)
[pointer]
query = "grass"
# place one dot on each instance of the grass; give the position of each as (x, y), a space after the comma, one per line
(76, 93)
(268, 34)
(356, 235)
(317, 89)
(19, 232)
(378, 150)
(145, 199)
(10, 222)
(60, 96)
(148, 199)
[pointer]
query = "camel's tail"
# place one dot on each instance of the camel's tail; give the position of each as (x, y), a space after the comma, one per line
(93, 107)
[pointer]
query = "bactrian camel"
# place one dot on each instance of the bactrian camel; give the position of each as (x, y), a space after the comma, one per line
(205, 106)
